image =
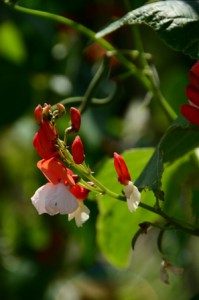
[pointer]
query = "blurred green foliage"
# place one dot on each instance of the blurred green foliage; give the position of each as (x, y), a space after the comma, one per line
(43, 257)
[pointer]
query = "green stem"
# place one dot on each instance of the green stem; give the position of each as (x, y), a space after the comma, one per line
(170, 113)
(147, 81)
(136, 38)
(94, 101)
(187, 229)
(144, 63)
(85, 171)
(101, 72)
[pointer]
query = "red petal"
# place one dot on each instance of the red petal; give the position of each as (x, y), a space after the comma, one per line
(195, 69)
(121, 169)
(55, 171)
(192, 94)
(191, 113)
(50, 132)
(194, 80)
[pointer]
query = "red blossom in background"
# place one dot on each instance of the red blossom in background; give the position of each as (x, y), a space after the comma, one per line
(191, 111)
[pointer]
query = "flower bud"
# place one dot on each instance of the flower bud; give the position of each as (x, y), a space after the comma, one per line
(75, 117)
(121, 169)
(38, 114)
(47, 111)
(79, 192)
(61, 109)
(77, 150)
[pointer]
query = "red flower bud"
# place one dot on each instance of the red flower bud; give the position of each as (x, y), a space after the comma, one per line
(79, 192)
(121, 169)
(77, 150)
(75, 117)
(38, 114)
(61, 109)
(46, 110)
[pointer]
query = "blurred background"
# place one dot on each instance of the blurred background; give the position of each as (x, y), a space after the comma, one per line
(44, 257)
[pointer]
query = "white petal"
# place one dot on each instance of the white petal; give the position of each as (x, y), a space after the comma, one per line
(54, 199)
(38, 199)
(132, 196)
(81, 215)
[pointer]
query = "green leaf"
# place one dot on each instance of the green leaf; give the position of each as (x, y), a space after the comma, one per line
(116, 226)
(180, 138)
(176, 22)
(181, 185)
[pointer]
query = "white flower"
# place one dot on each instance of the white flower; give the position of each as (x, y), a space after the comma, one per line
(81, 215)
(132, 196)
(53, 199)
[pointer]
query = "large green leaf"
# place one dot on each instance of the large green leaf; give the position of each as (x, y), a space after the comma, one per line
(116, 226)
(176, 22)
(180, 138)
(181, 185)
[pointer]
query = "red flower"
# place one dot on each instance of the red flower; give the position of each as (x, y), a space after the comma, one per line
(77, 150)
(121, 169)
(191, 111)
(44, 140)
(55, 171)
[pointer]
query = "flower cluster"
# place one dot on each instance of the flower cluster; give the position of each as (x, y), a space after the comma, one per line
(191, 111)
(61, 194)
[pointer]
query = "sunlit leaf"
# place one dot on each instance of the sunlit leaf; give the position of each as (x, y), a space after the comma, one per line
(176, 22)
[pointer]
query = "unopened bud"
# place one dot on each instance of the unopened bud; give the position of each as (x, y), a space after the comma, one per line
(121, 169)
(47, 111)
(79, 192)
(61, 109)
(38, 114)
(75, 117)
(77, 150)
